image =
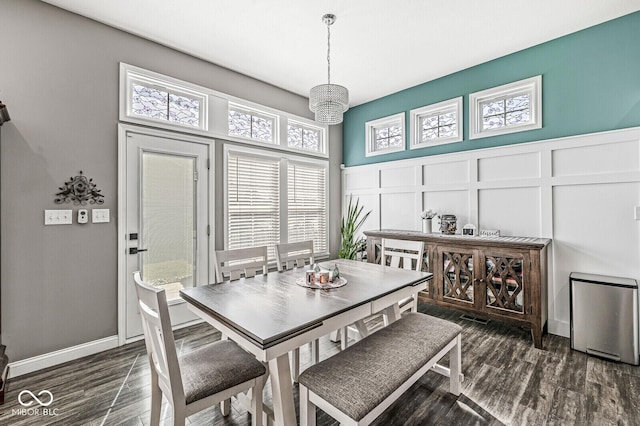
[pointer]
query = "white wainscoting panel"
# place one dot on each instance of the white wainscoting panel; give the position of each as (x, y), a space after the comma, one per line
(361, 180)
(596, 159)
(399, 177)
(509, 167)
(580, 191)
(448, 202)
(446, 173)
(594, 232)
(514, 211)
(399, 211)
(369, 203)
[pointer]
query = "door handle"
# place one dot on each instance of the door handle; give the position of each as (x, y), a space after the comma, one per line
(135, 250)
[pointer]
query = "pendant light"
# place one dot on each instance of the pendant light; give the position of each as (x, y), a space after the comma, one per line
(329, 101)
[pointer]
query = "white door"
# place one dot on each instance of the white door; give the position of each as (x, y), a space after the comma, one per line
(167, 211)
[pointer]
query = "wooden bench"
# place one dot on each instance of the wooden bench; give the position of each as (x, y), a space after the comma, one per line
(356, 385)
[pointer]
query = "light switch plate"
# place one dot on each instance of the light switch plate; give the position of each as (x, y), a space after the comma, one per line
(636, 212)
(100, 215)
(58, 217)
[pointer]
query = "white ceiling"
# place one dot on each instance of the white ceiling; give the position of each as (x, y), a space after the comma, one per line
(378, 47)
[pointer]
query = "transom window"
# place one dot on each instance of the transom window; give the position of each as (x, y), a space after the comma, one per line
(300, 136)
(506, 112)
(251, 124)
(385, 135)
(514, 107)
(159, 104)
(166, 101)
(161, 101)
(436, 124)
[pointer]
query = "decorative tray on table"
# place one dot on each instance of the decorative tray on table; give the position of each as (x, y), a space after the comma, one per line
(338, 282)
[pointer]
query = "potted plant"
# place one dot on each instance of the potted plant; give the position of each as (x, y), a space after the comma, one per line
(350, 245)
(426, 217)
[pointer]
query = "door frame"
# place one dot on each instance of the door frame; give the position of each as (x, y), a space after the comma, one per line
(123, 131)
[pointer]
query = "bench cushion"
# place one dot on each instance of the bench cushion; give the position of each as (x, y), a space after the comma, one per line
(358, 379)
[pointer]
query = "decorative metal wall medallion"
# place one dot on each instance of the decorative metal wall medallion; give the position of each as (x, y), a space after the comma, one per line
(80, 190)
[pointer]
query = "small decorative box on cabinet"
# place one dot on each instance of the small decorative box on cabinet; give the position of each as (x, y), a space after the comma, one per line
(502, 278)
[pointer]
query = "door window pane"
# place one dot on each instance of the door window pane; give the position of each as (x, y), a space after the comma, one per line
(167, 212)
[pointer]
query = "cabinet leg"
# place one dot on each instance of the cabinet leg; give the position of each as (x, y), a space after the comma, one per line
(536, 333)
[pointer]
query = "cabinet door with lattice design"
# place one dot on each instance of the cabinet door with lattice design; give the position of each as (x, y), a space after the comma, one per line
(457, 284)
(505, 281)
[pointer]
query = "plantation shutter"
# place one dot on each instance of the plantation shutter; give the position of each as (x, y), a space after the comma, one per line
(253, 192)
(307, 204)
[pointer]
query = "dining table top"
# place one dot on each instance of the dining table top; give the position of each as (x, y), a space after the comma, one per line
(268, 309)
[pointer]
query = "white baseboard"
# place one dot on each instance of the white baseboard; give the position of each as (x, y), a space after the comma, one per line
(559, 328)
(50, 359)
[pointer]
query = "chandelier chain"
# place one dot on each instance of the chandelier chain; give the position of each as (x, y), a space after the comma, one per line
(328, 53)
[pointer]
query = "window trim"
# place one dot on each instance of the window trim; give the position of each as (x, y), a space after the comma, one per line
(531, 86)
(216, 115)
(387, 121)
(454, 104)
(254, 112)
(131, 75)
(322, 147)
(284, 159)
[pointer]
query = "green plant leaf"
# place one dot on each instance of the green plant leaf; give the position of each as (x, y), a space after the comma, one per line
(349, 225)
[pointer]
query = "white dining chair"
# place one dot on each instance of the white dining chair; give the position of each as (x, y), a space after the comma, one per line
(404, 254)
(297, 255)
(407, 255)
(294, 255)
(237, 263)
(201, 378)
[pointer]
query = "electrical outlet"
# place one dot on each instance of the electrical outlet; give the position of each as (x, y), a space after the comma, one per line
(58, 217)
(100, 215)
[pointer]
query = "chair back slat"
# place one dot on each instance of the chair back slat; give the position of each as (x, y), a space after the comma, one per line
(294, 255)
(161, 349)
(402, 253)
(234, 264)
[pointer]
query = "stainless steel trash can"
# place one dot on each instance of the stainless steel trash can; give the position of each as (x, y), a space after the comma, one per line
(604, 316)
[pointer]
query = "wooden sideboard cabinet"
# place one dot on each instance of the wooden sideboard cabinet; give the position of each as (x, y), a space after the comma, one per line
(501, 278)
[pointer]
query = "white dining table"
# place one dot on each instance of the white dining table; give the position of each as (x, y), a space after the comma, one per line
(271, 315)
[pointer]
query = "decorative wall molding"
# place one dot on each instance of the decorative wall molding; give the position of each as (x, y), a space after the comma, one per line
(580, 191)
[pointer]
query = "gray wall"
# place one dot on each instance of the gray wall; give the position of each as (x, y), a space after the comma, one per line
(59, 77)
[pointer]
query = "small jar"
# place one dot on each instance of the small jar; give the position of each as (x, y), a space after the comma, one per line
(324, 277)
(448, 224)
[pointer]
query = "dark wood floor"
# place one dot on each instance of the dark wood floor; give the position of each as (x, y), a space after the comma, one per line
(507, 381)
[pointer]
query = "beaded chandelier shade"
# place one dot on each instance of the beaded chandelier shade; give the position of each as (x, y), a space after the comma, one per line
(329, 101)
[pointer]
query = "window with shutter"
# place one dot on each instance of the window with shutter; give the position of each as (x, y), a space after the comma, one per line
(307, 204)
(253, 201)
(275, 198)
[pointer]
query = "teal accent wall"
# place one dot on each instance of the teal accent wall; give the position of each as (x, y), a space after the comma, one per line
(590, 83)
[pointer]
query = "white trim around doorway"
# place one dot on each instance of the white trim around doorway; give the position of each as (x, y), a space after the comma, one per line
(123, 130)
